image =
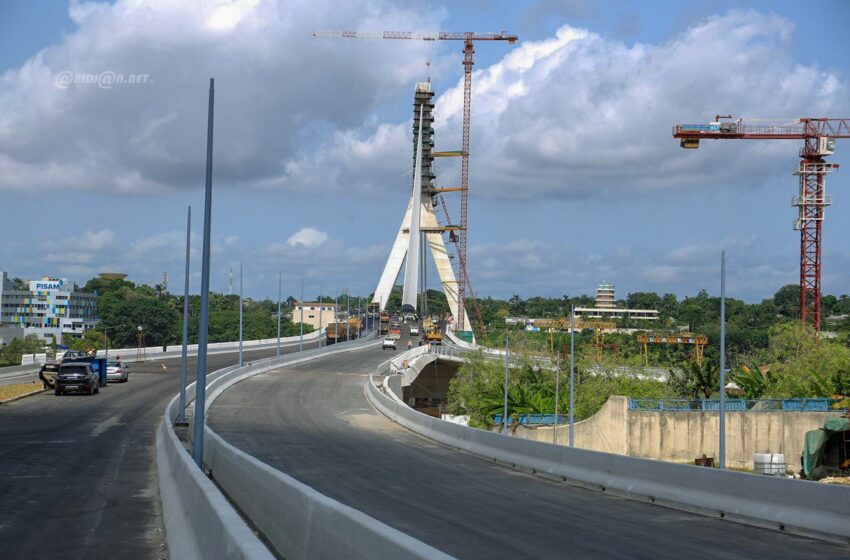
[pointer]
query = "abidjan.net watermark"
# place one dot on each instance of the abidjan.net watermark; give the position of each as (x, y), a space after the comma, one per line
(103, 80)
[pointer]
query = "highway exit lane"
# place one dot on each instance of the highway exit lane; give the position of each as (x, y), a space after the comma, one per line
(313, 422)
(78, 473)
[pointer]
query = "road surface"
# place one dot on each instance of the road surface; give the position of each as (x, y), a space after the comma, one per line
(78, 474)
(313, 422)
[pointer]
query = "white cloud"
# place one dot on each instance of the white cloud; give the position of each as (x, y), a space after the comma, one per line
(579, 115)
(278, 89)
(307, 237)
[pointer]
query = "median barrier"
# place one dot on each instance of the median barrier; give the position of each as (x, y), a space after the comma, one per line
(803, 507)
(298, 521)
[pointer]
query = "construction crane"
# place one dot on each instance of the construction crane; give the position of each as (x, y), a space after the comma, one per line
(468, 38)
(699, 342)
(818, 136)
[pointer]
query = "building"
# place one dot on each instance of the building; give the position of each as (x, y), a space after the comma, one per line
(616, 313)
(315, 313)
(606, 309)
(51, 308)
(605, 296)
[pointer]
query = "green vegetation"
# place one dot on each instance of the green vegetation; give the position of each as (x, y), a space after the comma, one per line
(796, 364)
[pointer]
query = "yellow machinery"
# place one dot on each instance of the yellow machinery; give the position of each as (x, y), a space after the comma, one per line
(697, 340)
(562, 323)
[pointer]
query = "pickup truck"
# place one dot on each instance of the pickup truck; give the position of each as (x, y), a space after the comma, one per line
(414, 331)
(389, 343)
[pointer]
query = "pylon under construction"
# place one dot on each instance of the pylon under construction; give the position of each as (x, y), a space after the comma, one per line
(421, 204)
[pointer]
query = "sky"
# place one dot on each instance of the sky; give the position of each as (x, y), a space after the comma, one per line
(574, 176)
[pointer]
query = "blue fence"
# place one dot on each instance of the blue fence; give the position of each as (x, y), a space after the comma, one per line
(739, 405)
(535, 419)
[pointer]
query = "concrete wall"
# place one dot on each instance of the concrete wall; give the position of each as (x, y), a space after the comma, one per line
(683, 436)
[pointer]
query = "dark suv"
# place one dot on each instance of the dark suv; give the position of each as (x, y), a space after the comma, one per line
(78, 376)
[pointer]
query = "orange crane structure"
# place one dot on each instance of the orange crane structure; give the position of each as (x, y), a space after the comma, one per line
(818, 136)
(468, 38)
(699, 341)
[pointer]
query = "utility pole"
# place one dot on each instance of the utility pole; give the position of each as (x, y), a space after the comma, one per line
(722, 454)
(507, 359)
(181, 415)
(201, 383)
(240, 315)
(279, 283)
(347, 315)
(557, 394)
(572, 370)
(321, 310)
(301, 339)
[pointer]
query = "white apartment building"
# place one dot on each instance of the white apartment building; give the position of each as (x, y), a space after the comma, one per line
(51, 308)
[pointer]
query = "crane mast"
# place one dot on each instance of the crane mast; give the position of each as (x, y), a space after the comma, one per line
(468, 38)
(818, 136)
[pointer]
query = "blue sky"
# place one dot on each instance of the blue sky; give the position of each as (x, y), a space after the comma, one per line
(575, 178)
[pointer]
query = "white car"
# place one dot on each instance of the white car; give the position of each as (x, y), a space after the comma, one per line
(116, 371)
(414, 331)
(389, 343)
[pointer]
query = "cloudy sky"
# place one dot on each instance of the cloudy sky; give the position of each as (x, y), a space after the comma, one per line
(574, 175)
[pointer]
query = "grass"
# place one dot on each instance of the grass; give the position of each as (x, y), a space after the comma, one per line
(11, 391)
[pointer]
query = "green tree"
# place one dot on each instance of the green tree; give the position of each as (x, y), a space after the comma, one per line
(12, 352)
(695, 381)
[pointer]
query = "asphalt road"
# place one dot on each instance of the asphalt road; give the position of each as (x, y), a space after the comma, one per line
(78, 474)
(313, 422)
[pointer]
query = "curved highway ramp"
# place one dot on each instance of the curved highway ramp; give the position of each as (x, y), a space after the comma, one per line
(312, 421)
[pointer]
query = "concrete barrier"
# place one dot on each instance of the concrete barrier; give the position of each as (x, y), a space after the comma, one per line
(299, 521)
(296, 520)
(200, 522)
(176, 350)
(808, 508)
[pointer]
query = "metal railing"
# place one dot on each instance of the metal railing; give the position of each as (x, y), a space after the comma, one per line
(739, 405)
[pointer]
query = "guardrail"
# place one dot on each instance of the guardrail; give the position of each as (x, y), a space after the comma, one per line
(804, 507)
(296, 520)
(740, 405)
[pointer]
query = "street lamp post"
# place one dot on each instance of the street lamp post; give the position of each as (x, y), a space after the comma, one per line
(240, 316)
(184, 353)
(279, 282)
(572, 372)
(201, 383)
(722, 442)
(301, 339)
(505, 412)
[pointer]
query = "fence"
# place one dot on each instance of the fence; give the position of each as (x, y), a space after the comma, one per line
(740, 405)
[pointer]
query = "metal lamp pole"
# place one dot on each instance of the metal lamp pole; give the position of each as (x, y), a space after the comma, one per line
(279, 282)
(572, 371)
(184, 362)
(321, 310)
(201, 383)
(722, 454)
(557, 394)
(301, 339)
(240, 316)
(505, 413)
(347, 315)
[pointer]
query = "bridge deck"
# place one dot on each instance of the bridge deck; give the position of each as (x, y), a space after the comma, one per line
(313, 422)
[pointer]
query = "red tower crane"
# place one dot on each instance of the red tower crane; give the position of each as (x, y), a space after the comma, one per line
(818, 136)
(468, 38)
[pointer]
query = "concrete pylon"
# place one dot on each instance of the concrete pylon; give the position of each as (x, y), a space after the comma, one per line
(410, 288)
(428, 226)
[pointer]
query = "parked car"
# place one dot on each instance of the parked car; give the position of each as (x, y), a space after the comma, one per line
(47, 374)
(389, 343)
(71, 355)
(77, 376)
(117, 371)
